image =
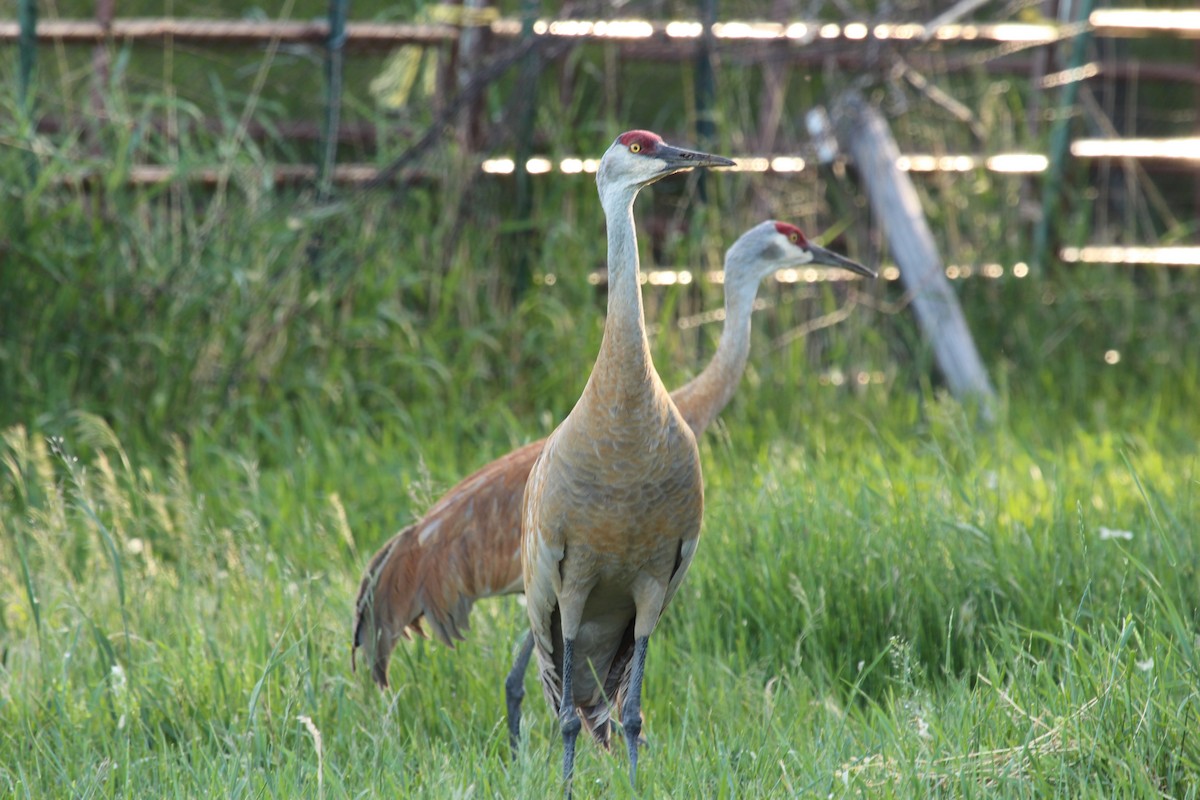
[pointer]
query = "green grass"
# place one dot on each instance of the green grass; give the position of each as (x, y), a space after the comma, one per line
(870, 612)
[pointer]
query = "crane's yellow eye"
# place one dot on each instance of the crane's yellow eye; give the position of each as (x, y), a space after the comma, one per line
(635, 148)
(795, 237)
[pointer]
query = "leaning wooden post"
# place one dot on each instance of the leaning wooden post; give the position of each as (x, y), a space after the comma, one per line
(863, 133)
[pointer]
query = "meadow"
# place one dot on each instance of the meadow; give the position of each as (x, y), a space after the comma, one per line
(216, 405)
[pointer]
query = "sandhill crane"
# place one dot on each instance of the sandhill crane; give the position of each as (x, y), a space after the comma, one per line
(468, 545)
(759, 252)
(613, 505)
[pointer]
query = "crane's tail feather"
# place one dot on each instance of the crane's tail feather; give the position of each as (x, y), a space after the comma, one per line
(407, 583)
(446, 601)
(465, 548)
(597, 720)
(386, 608)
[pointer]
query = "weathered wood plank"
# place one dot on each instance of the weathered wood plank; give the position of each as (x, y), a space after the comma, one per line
(231, 32)
(863, 134)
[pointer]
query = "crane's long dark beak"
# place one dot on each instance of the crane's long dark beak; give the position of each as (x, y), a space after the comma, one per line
(832, 259)
(676, 159)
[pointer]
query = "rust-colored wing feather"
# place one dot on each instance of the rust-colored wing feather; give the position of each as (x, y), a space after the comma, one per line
(465, 548)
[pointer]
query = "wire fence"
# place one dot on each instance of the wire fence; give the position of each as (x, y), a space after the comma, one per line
(1105, 23)
(455, 31)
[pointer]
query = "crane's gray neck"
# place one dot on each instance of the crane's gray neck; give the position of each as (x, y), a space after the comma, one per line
(625, 327)
(705, 396)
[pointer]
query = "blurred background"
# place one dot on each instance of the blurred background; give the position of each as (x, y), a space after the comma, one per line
(215, 213)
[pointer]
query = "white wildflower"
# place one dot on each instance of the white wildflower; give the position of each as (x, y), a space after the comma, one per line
(923, 728)
(1112, 533)
(117, 677)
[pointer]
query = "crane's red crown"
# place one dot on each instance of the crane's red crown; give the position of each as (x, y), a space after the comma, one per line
(794, 234)
(640, 142)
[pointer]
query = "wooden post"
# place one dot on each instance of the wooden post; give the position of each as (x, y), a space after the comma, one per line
(473, 42)
(446, 79)
(100, 60)
(863, 133)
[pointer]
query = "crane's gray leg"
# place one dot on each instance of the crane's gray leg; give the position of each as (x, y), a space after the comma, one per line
(514, 692)
(631, 715)
(568, 717)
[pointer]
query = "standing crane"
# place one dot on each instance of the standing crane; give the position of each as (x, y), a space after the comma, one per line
(468, 545)
(613, 506)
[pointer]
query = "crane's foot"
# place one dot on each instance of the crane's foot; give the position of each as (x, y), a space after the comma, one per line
(571, 725)
(619, 732)
(631, 714)
(514, 692)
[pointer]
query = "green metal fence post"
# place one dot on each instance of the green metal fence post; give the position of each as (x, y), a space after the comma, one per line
(526, 88)
(26, 56)
(1058, 146)
(705, 83)
(334, 56)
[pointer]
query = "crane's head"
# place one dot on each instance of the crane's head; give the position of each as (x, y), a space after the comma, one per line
(639, 158)
(771, 246)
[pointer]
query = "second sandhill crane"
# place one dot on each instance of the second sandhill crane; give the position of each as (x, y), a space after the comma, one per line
(613, 506)
(468, 545)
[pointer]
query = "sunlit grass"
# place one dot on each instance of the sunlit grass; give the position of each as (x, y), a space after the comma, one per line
(962, 612)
